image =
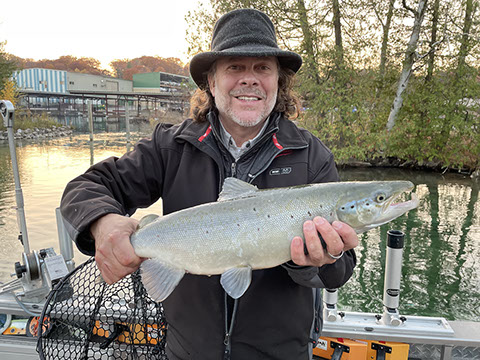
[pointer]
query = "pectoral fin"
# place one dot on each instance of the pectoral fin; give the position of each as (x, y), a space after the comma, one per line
(160, 279)
(236, 281)
(147, 219)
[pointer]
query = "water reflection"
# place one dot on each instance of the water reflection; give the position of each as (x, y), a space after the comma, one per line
(440, 275)
(45, 168)
(441, 269)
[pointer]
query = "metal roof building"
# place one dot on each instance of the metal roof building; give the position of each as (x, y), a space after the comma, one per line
(43, 80)
(158, 81)
(60, 81)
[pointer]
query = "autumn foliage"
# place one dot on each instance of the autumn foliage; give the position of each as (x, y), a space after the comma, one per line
(126, 68)
(68, 63)
(123, 69)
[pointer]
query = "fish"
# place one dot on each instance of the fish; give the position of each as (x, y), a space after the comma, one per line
(249, 228)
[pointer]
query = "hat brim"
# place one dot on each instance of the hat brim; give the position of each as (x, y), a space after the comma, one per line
(201, 63)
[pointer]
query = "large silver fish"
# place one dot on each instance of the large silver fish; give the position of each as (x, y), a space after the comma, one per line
(248, 228)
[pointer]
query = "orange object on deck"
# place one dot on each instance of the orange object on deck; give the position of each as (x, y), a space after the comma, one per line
(387, 350)
(339, 348)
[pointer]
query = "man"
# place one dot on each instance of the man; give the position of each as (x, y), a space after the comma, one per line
(239, 129)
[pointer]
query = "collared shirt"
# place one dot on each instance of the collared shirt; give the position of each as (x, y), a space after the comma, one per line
(229, 142)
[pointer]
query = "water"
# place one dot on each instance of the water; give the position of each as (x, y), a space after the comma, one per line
(441, 267)
(441, 258)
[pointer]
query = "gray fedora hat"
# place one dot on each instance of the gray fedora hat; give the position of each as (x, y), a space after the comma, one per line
(242, 32)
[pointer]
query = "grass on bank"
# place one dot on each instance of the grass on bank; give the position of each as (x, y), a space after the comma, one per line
(26, 120)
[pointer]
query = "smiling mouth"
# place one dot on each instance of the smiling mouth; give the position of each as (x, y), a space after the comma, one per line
(248, 98)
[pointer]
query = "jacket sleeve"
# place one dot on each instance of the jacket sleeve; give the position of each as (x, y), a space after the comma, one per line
(115, 185)
(334, 275)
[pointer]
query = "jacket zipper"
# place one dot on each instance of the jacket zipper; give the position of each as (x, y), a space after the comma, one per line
(234, 169)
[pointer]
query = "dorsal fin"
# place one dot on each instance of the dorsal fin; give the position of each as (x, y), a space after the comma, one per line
(234, 188)
(147, 219)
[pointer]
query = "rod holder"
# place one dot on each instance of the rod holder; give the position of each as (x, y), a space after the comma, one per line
(393, 273)
(66, 243)
(330, 298)
(7, 111)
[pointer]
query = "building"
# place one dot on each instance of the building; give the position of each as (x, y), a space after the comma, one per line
(60, 81)
(88, 82)
(66, 95)
(158, 82)
(41, 80)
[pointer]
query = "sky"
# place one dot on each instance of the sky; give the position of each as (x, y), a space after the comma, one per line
(103, 29)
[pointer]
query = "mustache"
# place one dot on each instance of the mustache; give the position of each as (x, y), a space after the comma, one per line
(247, 92)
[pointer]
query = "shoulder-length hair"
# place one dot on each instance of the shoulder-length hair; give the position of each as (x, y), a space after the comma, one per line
(202, 101)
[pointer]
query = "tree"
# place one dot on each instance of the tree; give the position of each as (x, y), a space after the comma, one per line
(385, 36)
(465, 41)
(433, 41)
(337, 26)
(67, 63)
(126, 68)
(410, 55)
(308, 43)
(353, 48)
(10, 92)
(7, 66)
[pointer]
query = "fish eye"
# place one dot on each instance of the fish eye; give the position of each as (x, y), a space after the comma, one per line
(380, 197)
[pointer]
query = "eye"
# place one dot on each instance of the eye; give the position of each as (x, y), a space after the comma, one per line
(380, 197)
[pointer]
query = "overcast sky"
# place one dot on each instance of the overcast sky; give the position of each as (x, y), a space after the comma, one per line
(102, 29)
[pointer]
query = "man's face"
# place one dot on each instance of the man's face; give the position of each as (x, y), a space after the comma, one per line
(245, 89)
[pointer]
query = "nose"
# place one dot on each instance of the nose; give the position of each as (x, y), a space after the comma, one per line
(249, 78)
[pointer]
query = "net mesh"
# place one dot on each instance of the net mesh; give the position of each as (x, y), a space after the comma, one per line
(84, 318)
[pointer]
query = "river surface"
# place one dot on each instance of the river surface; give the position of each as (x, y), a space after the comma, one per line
(441, 258)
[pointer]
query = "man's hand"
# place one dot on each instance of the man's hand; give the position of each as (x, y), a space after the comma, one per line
(114, 253)
(338, 236)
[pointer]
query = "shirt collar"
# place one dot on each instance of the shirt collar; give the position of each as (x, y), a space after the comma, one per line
(229, 142)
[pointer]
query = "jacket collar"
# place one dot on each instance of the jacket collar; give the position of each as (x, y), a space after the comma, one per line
(283, 132)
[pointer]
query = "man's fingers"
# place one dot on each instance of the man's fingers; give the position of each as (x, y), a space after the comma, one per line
(125, 254)
(313, 243)
(338, 237)
(347, 233)
(333, 240)
(297, 251)
(114, 253)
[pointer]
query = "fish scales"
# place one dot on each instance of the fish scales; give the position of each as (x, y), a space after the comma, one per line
(253, 229)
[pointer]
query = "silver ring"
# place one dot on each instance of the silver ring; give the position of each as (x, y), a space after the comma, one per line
(336, 257)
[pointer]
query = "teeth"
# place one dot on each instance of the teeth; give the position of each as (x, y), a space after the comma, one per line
(247, 98)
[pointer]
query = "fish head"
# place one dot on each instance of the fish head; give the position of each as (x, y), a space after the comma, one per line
(367, 205)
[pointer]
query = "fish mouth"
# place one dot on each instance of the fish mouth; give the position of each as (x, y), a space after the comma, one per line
(392, 210)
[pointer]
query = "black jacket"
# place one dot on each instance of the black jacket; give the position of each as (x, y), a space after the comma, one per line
(185, 165)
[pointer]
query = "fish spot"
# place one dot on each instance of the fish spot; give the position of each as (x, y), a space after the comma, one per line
(207, 231)
(291, 216)
(238, 224)
(258, 229)
(352, 207)
(309, 213)
(268, 216)
(254, 209)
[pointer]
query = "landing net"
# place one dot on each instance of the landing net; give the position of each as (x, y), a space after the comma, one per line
(84, 318)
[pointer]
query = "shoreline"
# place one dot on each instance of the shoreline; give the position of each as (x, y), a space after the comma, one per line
(390, 162)
(39, 133)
